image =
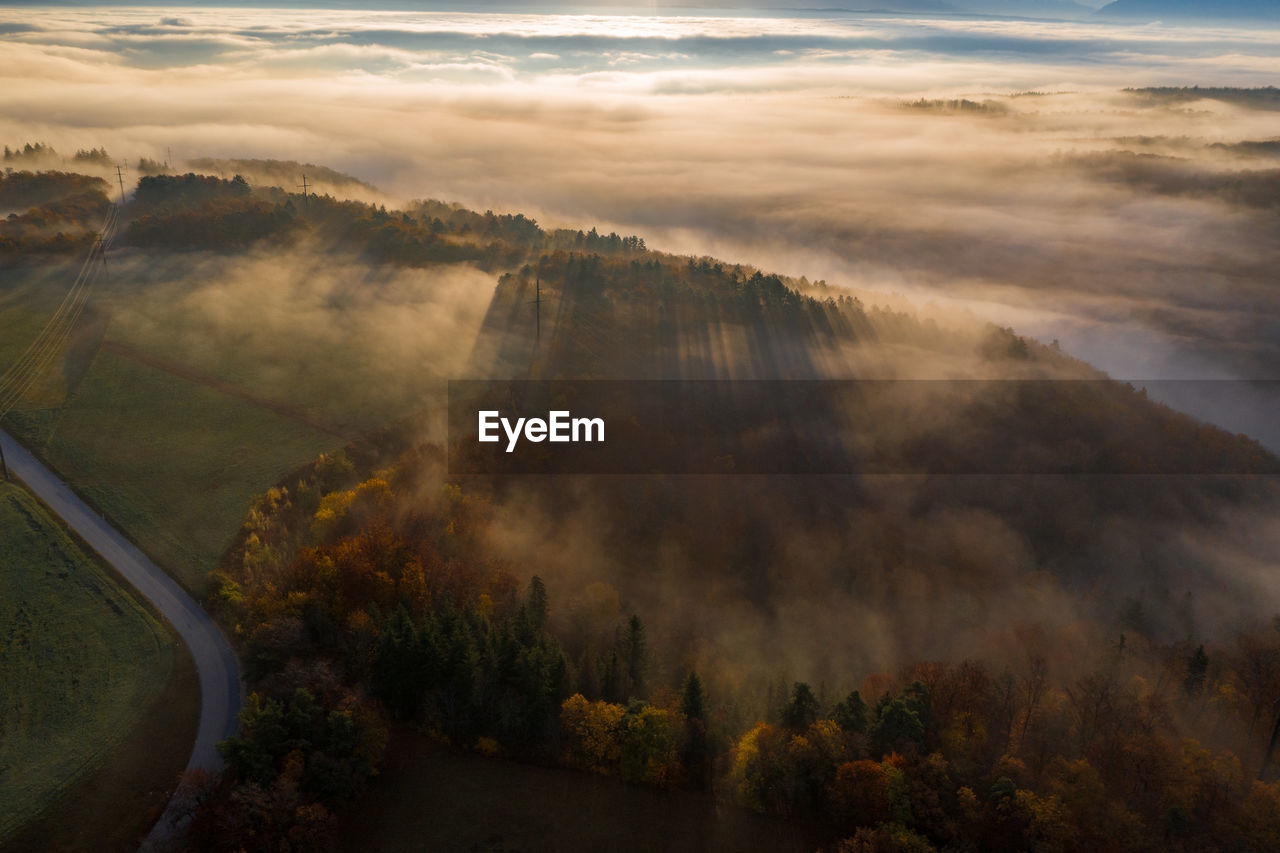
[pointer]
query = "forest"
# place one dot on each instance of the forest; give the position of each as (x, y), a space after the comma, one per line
(375, 602)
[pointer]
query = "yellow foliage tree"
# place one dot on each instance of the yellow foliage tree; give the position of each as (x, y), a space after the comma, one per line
(593, 731)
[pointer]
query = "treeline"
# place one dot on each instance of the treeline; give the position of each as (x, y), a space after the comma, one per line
(956, 105)
(29, 151)
(168, 193)
(1258, 188)
(444, 218)
(636, 314)
(192, 211)
(39, 151)
(201, 211)
(284, 173)
(1265, 97)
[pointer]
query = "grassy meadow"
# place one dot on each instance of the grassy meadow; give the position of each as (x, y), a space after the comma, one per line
(81, 662)
(174, 464)
(171, 461)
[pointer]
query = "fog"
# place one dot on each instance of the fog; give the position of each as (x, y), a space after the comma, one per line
(355, 346)
(778, 141)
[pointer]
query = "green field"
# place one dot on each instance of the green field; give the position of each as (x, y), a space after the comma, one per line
(81, 662)
(27, 300)
(171, 459)
(172, 463)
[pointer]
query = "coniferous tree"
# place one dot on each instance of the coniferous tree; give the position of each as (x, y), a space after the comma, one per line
(1197, 670)
(636, 656)
(851, 713)
(693, 698)
(611, 682)
(802, 710)
(694, 753)
(538, 604)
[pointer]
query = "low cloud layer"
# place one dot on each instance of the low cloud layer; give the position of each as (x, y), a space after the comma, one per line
(779, 141)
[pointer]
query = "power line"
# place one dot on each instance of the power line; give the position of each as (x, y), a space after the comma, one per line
(66, 305)
(47, 348)
(27, 369)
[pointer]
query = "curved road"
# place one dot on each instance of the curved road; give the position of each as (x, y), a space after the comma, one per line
(216, 663)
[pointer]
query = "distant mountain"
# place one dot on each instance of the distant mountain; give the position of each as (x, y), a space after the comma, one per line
(1197, 9)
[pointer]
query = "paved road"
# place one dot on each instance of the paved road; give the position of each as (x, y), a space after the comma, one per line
(216, 663)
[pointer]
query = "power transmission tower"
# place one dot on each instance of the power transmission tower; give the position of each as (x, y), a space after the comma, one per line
(168, 157)
(120, 177)
(305, 199)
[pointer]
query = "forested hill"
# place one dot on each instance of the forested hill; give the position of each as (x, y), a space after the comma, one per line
(609, 307)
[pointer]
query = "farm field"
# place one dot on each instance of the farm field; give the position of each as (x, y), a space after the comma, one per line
(174, 464)
(82, 664)
(170, 446)
(171, 462)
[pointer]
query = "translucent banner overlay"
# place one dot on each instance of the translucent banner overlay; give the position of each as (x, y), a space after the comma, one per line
(843, 427)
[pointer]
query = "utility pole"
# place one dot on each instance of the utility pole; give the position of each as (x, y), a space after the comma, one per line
(537, 307)
(120, 178)
(168, 157)
(3, 467)
(305, 198)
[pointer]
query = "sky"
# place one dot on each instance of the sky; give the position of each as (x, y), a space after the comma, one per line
(1057, 203)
